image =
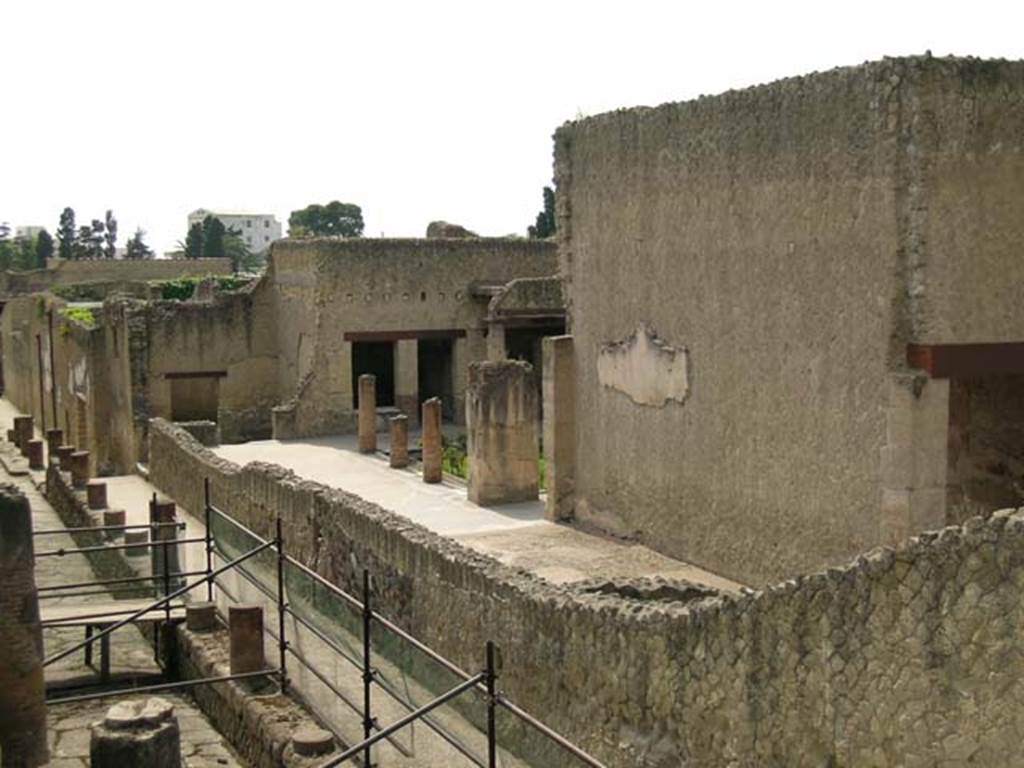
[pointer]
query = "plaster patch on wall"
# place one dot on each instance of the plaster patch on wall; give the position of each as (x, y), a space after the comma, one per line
(645, 368)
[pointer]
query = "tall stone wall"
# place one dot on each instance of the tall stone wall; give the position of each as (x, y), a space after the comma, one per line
(786, 243)
(324, 288)
(908, 657)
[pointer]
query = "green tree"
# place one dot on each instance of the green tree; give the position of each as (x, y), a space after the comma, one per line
(66, 234)
(110, 236)
(545, 224)
(193, 246)
(44, 248)
(213, 238)
(136, 247)
(335, 219)
(236, 249)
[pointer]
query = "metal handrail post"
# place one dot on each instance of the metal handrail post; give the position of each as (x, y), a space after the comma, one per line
(209, 537)
(444, 698)
(155, 605)
(492, 702)
(167, 581)
(367, 669)
(282, 643)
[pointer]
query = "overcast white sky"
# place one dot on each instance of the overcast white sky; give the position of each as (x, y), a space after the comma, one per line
(414, 110)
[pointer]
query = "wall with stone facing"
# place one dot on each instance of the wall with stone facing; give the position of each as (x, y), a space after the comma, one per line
(60, 272)
(792, 238)
(324, 288)
(908, 657)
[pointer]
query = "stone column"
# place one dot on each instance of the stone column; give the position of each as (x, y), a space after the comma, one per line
(407, 377)
(559, 392)
(64, 457)
(35, 454)
(79, 469)
(136, 733)
(399, 441)
(245, 628)
(367, 413)
(496, 350)
(432, 444)
(54, 440)
(22, 690)
(96, 494)
(501, 424)
(23, 431)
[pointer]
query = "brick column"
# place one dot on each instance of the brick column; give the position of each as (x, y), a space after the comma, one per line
(64, 457)
(399, 441)
(559, 392)
(79, 469)
(35, 454)
(501, 424)
(54, 440)
(23, 432)
(407, 377)
(432, 444)
(367, 413)
(22, 690)
(96, 494)
(164, 510)
(245, 628)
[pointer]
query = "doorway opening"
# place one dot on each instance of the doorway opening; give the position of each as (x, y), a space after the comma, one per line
(378, 358)
(434, 365)
(195, 398)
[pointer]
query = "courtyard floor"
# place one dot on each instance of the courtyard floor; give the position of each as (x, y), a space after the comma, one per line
(516, 534)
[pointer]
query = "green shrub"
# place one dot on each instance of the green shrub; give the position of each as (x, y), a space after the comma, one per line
(81, 315)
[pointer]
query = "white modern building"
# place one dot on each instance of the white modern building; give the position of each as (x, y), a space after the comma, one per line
(258, 230)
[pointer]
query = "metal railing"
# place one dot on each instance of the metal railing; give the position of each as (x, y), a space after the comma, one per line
(483, 683)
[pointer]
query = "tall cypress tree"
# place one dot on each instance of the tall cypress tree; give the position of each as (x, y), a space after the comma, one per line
(213, 238)
(66, 234)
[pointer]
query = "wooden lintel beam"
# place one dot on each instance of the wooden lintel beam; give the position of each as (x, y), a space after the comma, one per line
(196, 375)
(961, 361)
(454, 333)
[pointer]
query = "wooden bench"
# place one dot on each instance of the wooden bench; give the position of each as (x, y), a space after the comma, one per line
(99, 616)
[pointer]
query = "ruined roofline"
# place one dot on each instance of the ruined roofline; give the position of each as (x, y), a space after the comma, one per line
(878, 69)
(358, 242)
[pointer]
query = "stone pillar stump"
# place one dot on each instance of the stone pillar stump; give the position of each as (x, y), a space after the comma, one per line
(22, 691)
(54, 440)
(367, 413)
(35, 454)
(399, 441)
(136, 733)
(433, 447)
(79, 469)
(23, 430)
(245, 630)
(501, 425)
(96, 494)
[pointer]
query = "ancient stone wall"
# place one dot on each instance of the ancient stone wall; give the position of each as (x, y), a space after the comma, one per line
(325, 288)
(60, 272)
(789, 241)
(908, 657)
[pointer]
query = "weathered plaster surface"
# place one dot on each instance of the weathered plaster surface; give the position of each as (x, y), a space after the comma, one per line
(645, 369)
(795, 237)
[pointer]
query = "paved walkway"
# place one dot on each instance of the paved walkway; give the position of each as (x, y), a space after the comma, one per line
(515, 534)
(131, 654)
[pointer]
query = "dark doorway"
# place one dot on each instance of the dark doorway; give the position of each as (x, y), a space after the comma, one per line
(195, 398)
(525, 343)
(378, 358)
(434, 363)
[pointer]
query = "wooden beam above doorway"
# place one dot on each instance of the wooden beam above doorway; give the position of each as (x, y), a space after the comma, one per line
(962, 361)
(454, 333)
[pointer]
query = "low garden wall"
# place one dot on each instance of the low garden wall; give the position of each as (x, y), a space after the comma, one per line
(910, 657)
